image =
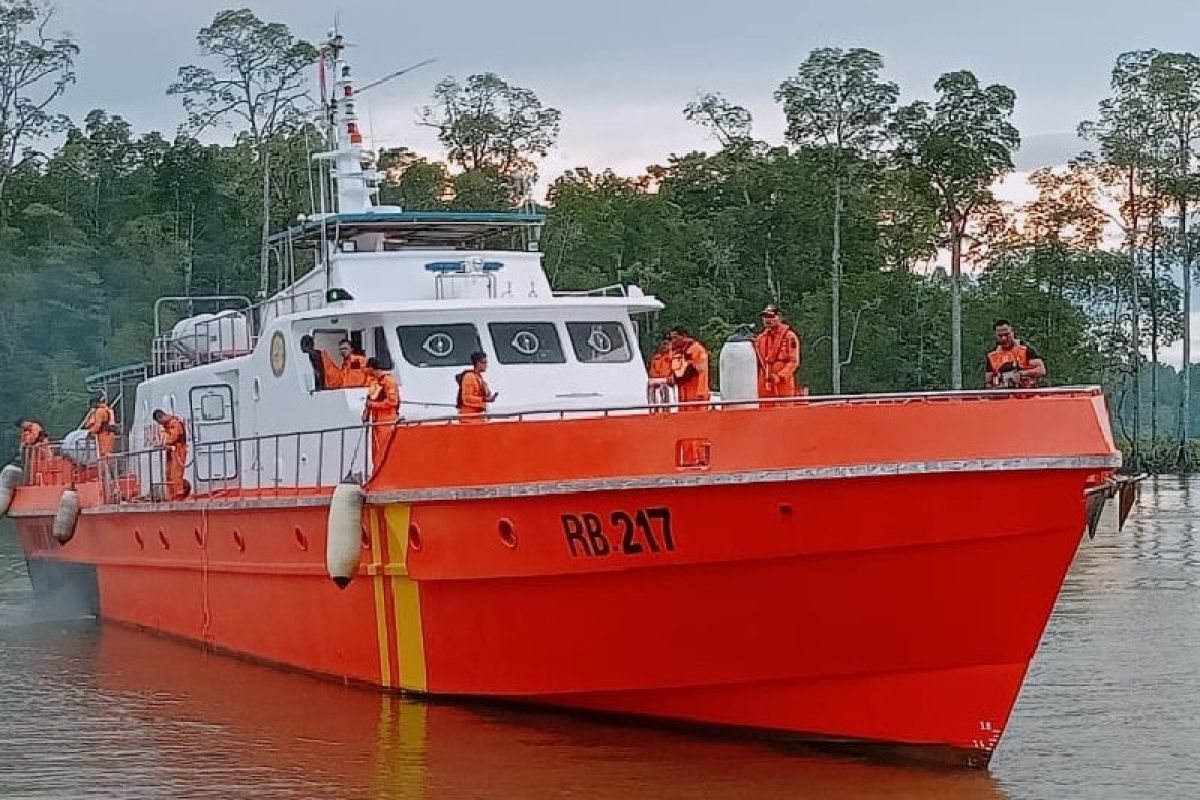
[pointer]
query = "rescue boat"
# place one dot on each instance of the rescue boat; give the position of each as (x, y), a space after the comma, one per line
(863, 569)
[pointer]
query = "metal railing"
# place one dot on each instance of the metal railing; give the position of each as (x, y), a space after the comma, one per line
(232, 332)
(45, 464)
(271, 465)
(273, 308)
(613, 290)
(658, 403)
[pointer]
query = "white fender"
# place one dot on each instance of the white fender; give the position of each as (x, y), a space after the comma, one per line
(66, 516)
(739, 369)
(10, 479)
(343, 533)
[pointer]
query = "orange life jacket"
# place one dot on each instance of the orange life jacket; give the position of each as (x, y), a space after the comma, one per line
(473, 393)
(695, 387)
(1017, 356)
(383, 398)
(174, 432)
(660, 363)
(354, 370)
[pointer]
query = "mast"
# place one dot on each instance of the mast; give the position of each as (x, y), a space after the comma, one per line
(354, 187)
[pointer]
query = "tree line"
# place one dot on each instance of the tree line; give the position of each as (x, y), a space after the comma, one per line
(874, 225)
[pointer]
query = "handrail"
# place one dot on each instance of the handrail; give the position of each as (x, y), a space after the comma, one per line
(248, 464)
(612, 290)
(209, 298)
(854, 399)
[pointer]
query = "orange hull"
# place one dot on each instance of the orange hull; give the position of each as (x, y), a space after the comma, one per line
(889, 584)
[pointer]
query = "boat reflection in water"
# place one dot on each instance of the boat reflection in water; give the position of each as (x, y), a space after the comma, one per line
(192, 721)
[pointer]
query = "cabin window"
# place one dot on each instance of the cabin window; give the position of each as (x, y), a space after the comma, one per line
(526, 343)
(438, 345)
(600, 342)
(381, 351)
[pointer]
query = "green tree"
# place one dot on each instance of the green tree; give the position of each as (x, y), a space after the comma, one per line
(487, 122)
(260, 80)
(1128, 129)
(837, 102)
(35, 70)
(1174, 79)
(730, 123)
(954, 151)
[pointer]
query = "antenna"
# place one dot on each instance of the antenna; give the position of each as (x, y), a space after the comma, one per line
(396, 74)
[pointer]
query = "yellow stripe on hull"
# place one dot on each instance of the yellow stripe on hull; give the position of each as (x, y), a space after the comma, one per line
(406, 597)
(377, 579)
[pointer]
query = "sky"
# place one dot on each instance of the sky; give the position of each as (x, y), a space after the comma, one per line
(622, 70)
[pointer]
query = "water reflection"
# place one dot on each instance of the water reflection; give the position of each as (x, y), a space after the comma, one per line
(102, 711)
(136, 716)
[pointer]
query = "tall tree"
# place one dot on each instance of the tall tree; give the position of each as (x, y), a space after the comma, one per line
(1127, 129)
(260, 81)
(955, 150)
(729, 122)
(35, 70)
(1174, 79)
(488, 122)
(836, 101)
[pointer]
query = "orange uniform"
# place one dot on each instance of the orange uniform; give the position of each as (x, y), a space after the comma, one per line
(35, 447)
(99, 424)
(473, 394)
(174, 439)
(689, 373)
(779, 351)
(660, 363)
(354, 371)
(383, 410)
(331, 371)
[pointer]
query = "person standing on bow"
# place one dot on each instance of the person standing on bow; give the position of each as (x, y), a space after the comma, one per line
(473, 391)
(779, 352)
(689, 369)
(35, 448)
(1013, 364)
(101, 424)
(174, 441)
(382, 410)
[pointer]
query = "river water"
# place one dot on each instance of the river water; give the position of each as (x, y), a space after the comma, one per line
(1111, 709)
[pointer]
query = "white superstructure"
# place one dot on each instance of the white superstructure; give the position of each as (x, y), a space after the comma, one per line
(421, 291)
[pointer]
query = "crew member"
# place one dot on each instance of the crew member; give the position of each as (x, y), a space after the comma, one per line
(1013, 364)
(35, 446)
(473, 392)
(174, 440)
(689, 369)
(660, 362)
(326, 373)
(382, 410)
(353, 368)
(779, 351)
(100, 423)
